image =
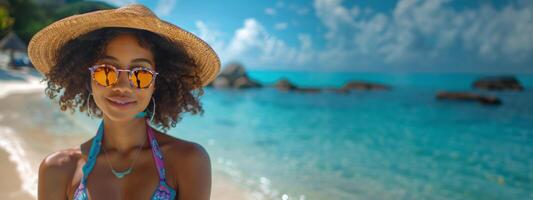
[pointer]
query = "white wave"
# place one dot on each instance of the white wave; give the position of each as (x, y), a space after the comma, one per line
(31, 84)
(14, 146)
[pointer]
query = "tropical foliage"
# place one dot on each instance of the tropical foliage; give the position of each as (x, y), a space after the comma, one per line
(26, 17)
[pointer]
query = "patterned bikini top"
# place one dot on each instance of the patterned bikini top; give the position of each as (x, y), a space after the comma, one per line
(162, 192)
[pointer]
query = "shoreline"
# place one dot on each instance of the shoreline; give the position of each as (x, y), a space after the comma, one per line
(10, 189)
(25, 139)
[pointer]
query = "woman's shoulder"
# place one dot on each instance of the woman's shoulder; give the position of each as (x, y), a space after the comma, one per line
(58, 169)
(178, 148)
(183, 155)
(188, 162)
(60, 163)
(66, 160)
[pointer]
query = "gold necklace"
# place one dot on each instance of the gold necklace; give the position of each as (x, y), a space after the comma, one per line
(127, 171)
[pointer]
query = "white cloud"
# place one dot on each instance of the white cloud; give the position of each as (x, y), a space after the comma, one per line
(270, 11)
(211, 36)
(281, 26)
(306, 52)
(253, 44)
(165, 7)
(162, 8)
(120, 2)
(299, 9)
(305, 41)
(424, 32)
(246, 37)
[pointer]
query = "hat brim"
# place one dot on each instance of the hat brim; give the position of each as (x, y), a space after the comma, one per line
(43, 46)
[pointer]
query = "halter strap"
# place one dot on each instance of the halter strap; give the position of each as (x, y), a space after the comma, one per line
(95, 149)
(97, 143)
(156, 154)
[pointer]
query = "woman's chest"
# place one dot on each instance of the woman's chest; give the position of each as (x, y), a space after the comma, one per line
(102, 183)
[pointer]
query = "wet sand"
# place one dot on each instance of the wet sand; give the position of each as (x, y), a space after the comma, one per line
(27, 138)
(10, 185)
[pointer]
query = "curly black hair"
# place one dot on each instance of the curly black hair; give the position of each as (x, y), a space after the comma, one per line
(175, 91)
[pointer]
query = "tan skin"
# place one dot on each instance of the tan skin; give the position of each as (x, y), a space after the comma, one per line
(187, 163)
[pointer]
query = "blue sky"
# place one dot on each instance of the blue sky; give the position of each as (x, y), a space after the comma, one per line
(361, 35)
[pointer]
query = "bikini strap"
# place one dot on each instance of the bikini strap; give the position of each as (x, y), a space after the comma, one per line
(93, 153)
(97, 143)
(156, 154)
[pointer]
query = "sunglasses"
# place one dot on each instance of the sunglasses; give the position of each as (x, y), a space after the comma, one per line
(107, 75)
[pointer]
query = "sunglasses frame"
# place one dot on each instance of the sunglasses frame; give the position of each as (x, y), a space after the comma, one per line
(130, 74)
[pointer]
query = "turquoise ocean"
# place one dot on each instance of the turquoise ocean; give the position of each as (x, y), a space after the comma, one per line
(397, 144)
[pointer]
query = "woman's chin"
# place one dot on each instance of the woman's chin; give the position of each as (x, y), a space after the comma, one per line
(121, 117)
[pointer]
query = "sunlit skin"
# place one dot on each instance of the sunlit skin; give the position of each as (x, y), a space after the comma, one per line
(187, 163)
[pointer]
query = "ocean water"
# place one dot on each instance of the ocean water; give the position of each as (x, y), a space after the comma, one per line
(398, 144)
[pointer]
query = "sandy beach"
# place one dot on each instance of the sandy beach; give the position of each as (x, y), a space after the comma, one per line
(10, 186)
(26, 138)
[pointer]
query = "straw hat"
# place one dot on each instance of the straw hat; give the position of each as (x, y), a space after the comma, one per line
(43, 46)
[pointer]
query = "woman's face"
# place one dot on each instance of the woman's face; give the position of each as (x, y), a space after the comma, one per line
(123, 52)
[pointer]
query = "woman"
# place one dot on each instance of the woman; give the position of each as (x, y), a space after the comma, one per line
(131, 69)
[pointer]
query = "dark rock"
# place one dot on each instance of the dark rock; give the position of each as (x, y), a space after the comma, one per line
(245, 82)
(234, 76)
(233, 71)
(465, 96)
(285, 85)
(498, 83)
(360, 85)
(221, 82)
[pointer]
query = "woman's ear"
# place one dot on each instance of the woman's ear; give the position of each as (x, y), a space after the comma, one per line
(89, 87)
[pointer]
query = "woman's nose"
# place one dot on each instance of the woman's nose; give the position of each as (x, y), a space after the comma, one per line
(123, 81)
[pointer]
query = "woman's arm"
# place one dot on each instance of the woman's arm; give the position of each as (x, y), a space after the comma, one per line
(194, 179)
(54, 173)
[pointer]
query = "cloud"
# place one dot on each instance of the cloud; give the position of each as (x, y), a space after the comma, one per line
(299, 9)
(120, 2)
(306, 52)
(165, 7)
(270, 11)
(211, 36)
(162, 7)
(254, 42)
(281, 26)
(254, 45)
(428, 32)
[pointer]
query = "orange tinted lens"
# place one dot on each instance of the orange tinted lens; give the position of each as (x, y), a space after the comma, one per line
(105, 76)
(142, 78)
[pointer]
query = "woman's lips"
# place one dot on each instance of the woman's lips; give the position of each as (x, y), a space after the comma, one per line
(121, 102)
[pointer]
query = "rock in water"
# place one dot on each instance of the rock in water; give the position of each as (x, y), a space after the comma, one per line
(234, 76)
(245, 82)
(360, 85)
(465, 96)
(498, 83)
(285, 85)
(233, 71)
(221, 82)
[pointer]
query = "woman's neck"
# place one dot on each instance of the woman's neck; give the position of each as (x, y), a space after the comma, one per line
(124, 136)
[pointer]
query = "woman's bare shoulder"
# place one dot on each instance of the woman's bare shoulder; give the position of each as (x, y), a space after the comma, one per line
(179, 148)
(56, 172)
(183, 155)
(190, 164)
(61, 162)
